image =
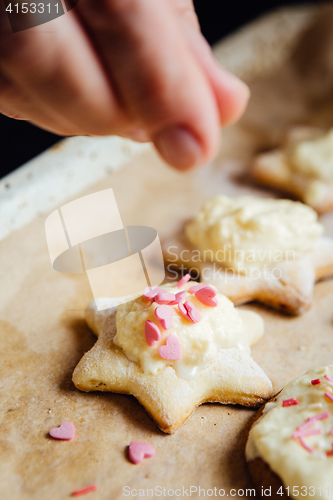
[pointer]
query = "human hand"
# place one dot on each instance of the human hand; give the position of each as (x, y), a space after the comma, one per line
(135, 68)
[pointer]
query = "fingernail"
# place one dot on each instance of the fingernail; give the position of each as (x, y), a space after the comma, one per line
(179, 147)
(232, 81)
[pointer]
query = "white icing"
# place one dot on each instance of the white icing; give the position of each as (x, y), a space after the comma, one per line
(248, 232)
(221, 327)
(314, 158)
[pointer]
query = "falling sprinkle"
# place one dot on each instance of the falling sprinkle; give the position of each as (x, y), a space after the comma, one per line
(330, 379)
(88, 489)
(289, 402)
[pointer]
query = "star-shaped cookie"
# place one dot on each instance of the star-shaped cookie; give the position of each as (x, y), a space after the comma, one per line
(286, 285)
(275, 169)
(290, 442)
(232, 377)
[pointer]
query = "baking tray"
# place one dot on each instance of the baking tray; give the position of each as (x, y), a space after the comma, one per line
(42, 327)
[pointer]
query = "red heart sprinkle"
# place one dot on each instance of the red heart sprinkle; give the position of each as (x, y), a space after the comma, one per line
(207, 296)
(138, 450)
(172, 349)
(152, 332)
(189, 311)
(164, 298)
(164, 315)
(66, 431)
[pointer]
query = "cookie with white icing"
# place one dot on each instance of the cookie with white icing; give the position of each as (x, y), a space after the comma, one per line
(253, 248)
(174, 351)
(290, 445)
(302, 167)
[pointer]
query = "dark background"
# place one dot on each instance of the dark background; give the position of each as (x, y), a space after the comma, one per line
(21, 141)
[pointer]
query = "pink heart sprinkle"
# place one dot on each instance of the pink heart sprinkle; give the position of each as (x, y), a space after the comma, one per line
(150, 292)
(189, 311)
(184, 280)
(66, 431)
(197, 287)
(152, 332)
(164, 315)
(178, 298)
(138, 450)
(164, 298)
(207, 296)
(172, 349)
